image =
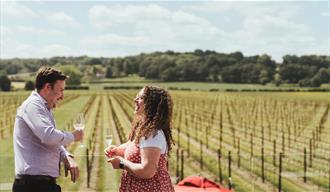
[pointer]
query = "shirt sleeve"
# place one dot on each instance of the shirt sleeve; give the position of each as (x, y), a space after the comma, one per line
(158, 141)
(63, 152)
(41, 125)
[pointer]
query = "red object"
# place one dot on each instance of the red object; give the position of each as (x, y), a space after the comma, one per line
(198, 184)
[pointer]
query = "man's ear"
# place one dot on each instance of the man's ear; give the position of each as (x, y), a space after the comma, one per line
(47, 86)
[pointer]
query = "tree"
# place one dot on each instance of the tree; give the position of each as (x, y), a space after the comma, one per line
(305, 82)
(322, 76)
(211, 61)
(266, 60)
(29, 85)
(315, 82)
(292, 73)
(214, 73)
(313, 60)
(108, 73)
(199, 52)
(277, 79)
(264, 77)
(289, 59)
(169, 74)
(95, 61)
(13, 68)
(5, 82)
(152, 72)
(231, 74)
(73, 72)
(237, 55)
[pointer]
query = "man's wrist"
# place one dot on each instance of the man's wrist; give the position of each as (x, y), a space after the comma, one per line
(70, 155)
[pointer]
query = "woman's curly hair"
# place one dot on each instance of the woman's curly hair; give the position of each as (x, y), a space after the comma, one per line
(158, 107)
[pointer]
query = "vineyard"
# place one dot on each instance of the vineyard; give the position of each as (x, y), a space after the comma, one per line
(246, 141)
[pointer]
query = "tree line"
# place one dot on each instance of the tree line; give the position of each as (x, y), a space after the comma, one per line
(199, 65)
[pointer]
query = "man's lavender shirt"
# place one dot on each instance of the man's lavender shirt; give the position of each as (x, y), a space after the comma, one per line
(38, 145)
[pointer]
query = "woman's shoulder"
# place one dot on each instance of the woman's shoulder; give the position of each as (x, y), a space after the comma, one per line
(158, 135)
(157, 140)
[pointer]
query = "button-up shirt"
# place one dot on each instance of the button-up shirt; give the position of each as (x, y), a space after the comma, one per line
(38, 145)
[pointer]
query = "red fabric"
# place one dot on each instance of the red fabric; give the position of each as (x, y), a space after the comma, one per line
(198, 184)
(195, 189)
(158, 183)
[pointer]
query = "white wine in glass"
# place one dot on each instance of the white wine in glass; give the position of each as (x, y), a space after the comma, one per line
(108, 141)
(79, 124)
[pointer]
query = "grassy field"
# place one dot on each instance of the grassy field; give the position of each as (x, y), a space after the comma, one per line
(241, 124)
(136, 81)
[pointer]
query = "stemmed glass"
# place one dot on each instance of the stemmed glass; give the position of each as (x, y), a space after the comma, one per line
(79, 124)
(108, 140)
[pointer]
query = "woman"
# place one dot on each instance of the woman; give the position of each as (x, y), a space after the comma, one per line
(144, 157)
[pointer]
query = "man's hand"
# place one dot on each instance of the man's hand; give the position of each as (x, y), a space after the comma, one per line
(78, 135)
(72, 166)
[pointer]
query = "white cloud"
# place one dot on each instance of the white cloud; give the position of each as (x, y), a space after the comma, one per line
(187, 19)
(262, 28)
(115, 40)
(4, 30)
(149, 28)
(124, 28)
(34, 30)
(326, 14)
(104, 17)
(56, 49)
(25, 48)
(144, 29)
(61, 19)
(11, 48)
(14, 9)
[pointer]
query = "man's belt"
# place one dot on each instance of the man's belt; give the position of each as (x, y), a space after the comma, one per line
(36, 178)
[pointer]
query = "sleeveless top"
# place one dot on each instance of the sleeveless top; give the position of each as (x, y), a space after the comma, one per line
(161, 181)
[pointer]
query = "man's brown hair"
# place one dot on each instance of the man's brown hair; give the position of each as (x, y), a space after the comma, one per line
(48, 75)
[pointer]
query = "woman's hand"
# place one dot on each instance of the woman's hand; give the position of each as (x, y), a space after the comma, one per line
(111, 151)
(115, 161)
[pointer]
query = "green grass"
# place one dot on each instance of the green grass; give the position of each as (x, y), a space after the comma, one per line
(7, 170)
(22, 76)
(203, 86)
(68, 111)
(80, 152)
(185, 85)
(18, 85)
(128, 79)
(109, 178)
(136, 81)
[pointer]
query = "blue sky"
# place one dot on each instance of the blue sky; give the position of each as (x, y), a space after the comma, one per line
(37, 29)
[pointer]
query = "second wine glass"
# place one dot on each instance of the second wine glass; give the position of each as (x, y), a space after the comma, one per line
(79, 124)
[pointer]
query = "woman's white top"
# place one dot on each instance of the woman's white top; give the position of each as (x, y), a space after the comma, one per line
(158, 141)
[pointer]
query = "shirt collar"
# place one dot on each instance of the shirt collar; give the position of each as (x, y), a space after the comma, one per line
(36, 94)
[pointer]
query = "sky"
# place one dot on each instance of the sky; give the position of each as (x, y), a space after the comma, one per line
(43, 29)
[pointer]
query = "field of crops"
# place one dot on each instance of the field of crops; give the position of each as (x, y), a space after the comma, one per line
(250, 141)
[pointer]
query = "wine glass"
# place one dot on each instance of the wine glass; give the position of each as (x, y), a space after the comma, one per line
(79, 124)
(108, 141)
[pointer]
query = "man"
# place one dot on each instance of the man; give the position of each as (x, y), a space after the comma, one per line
(38, 145)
